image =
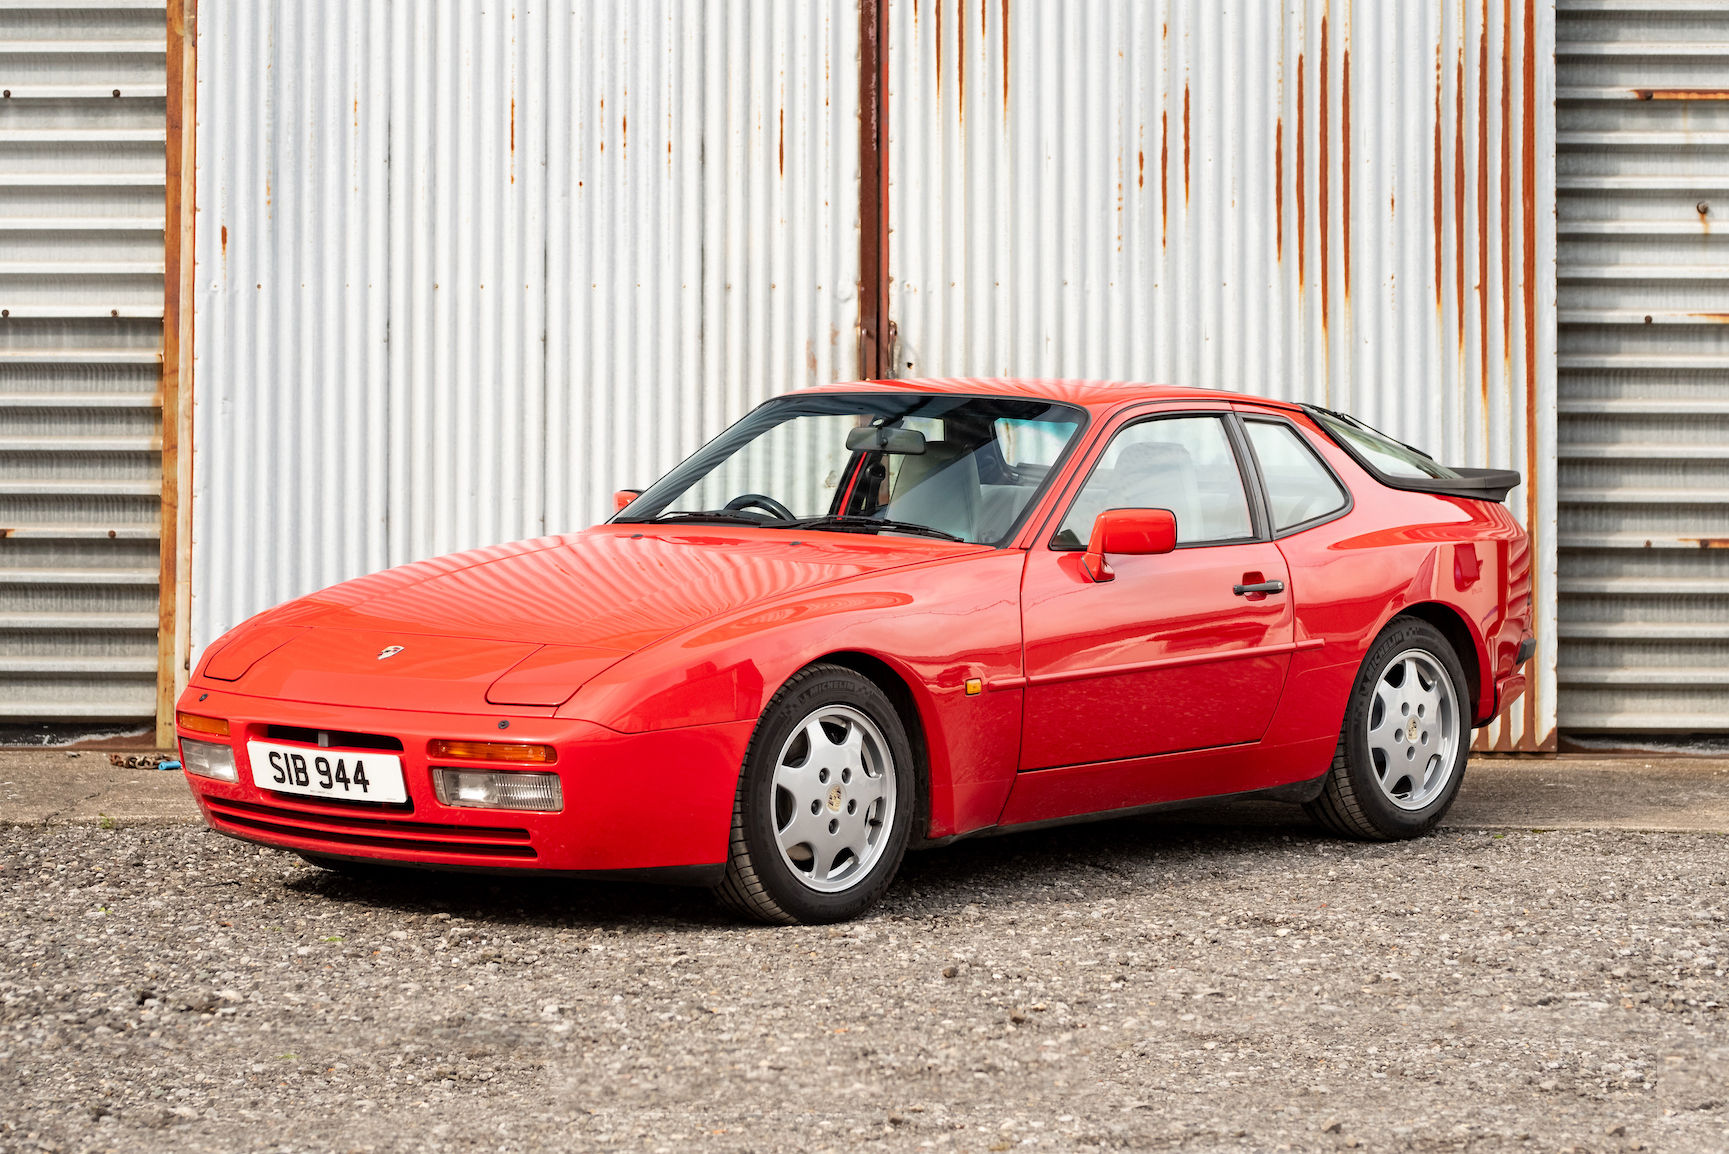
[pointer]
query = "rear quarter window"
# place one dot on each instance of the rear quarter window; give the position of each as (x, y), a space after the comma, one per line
(1300, 488)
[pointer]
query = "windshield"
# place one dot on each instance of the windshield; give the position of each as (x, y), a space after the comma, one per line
(926, 464)
(1380, 452)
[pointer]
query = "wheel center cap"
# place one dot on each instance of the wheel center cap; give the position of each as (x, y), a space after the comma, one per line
(834, 799)
(1411, 729)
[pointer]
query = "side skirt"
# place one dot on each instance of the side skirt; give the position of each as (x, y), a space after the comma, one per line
(1295, 793)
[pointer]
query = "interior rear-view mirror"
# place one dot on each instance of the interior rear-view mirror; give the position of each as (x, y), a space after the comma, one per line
(874, 438)
(1128, 532)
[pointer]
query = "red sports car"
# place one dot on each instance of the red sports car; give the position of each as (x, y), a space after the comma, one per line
(880, 616)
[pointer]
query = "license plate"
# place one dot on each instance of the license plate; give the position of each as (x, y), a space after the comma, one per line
(336, 773)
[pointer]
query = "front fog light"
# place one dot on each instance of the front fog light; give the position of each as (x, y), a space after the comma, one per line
(479, 789)
(207, 759)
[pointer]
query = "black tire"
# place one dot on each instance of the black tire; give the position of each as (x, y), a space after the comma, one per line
(763, 881)
(1361, 797)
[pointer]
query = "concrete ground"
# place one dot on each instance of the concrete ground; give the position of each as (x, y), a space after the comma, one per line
(1690, 795)
(1545, 973)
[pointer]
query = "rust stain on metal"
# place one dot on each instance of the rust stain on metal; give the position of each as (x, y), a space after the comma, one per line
(939, 46)
(1185, 144)
(224, 242)
(1440, 207)
(1345, 163)
(1164, 175)
(1483, 212)
(780, 145)
(961, 57)
(1682, 93)
(1714, 318)
(1279, 188)
(1005, 59)
(1459, 194)
(1141, 165)
(1323, 193)
(1708, 542)
(1302, 180)
(1506, 190)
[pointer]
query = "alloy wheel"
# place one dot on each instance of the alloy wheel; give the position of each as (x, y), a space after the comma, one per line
(1413, 729)
(833, 798)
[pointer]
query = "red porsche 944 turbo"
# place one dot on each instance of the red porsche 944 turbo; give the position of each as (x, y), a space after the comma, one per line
(880, 616)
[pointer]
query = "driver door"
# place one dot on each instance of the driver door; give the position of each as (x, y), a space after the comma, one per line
(1173, 653)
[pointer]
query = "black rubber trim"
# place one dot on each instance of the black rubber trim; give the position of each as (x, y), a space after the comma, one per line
(1527, 650)
(1476, 484)
(1295, 792)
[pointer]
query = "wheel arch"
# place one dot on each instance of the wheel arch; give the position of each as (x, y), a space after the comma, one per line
(899, 691)
(1459, 634)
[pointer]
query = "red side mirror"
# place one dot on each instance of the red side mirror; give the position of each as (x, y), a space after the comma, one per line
(624, 497)
(1130, 532)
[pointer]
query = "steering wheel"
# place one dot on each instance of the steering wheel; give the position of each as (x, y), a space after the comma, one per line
(761, 501)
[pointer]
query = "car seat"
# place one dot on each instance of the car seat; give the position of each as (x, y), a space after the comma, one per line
(1160, 475)
(939, 488)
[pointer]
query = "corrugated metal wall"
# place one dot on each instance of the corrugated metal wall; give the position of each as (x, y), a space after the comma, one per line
(81, 207)
(463, 272)
(1341, 203)
(1643, 112)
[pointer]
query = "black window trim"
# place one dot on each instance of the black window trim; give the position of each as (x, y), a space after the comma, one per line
(1248, 474)
(1278, 534)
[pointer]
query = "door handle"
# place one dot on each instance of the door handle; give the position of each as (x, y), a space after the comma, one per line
(1260, 587)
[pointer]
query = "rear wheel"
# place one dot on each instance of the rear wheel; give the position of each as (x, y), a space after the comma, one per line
(1406, 737)
(824, 804)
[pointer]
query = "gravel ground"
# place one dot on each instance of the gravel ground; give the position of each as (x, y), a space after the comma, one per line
(1155, 984)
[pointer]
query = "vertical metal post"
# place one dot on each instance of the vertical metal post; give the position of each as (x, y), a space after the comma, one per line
(875, 345)
(177, 317)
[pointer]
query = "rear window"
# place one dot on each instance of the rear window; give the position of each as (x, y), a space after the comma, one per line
(1378, 451)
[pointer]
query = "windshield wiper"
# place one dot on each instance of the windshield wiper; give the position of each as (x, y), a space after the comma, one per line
(698, 515)
(838, 521)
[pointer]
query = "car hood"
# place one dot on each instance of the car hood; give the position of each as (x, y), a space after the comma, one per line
(527, 624)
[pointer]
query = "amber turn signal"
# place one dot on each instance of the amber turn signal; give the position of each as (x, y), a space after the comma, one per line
(199, 724)
(493, 751)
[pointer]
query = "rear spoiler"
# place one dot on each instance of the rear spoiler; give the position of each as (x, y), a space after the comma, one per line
(1480, 484)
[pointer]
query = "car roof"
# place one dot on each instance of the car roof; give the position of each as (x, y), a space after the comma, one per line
(1090, 394)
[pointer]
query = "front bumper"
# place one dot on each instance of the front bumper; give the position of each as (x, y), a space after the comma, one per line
(656, 806)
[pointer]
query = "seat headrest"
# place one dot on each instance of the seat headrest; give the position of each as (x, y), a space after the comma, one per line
(1149, 456)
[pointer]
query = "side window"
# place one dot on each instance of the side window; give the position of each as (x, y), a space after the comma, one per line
(1299, 487)
(1184, 464)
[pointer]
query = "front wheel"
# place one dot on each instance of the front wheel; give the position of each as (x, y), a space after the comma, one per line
(824, 805)
(1407, 735)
